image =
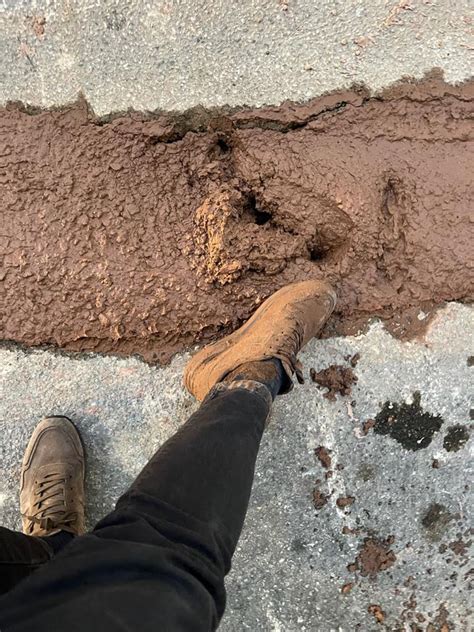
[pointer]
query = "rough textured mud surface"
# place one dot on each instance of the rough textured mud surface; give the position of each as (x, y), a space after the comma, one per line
(145, 234)
(408, 424)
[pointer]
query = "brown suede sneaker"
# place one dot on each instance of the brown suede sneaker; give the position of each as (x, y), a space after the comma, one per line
(52, 480)
(279, 328)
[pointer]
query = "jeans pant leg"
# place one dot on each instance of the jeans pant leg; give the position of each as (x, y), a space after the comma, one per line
(20, 555)
(158, 561)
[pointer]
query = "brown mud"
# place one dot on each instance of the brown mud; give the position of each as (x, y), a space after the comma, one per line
(324, 456)
(336, 378)
(145, 233)
(374, 556)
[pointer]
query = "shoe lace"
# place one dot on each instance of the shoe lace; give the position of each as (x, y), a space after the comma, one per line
(297, 340)
(49, 509)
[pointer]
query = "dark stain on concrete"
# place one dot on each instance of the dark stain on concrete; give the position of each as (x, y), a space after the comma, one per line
(459, 546)
(408, 424)
(366, 472)
(435, 521)
(456, 438)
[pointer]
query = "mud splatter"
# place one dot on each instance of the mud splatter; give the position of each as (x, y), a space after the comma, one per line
(336, 378)
(456, 438)
(408, 423)
(346, 588)
(345, 501)
(353, 360)
(374, 556)
(324, 456)
(377, 612)
(440, 623)
(367, 425)
(144, 234)
(459, 547)
(319, 499)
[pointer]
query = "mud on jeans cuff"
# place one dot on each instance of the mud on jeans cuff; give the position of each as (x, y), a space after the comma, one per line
(248, 385)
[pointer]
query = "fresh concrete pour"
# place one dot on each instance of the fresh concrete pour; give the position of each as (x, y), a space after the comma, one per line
(148, 54)
(291, 568)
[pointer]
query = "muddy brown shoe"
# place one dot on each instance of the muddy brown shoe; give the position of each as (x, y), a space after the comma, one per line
(52, 480)
(279, 328)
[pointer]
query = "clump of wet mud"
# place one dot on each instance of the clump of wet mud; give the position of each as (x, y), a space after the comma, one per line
(374, 556)
(408, 424)
(324, 456)
(345, 501)
(376, 611)
(144, 234)
(456, 437)
(319, 498)
(336, 378)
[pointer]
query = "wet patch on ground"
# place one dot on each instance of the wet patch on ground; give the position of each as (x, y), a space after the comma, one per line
(456, 437)
(146, 233)
(435, 521)
(408, 424)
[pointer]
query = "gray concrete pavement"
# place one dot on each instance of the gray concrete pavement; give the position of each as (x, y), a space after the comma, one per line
(292, 560)
(148, 54)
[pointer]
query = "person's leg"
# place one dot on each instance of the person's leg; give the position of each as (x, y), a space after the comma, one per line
(165, 550)
(51, 501)
(22, 554)
(159, 560)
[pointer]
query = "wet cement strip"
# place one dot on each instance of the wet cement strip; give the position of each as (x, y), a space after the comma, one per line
(145, 233)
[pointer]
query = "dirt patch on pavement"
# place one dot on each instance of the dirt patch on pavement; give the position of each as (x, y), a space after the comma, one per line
(148, 233)
(408, 424)
(336, 378)
(319, 498)
(324, 456)
(435, 520)
(374, 556)
(456, 438)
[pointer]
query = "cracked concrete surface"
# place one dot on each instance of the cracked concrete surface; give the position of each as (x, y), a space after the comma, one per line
(148, 54)
(292, 560)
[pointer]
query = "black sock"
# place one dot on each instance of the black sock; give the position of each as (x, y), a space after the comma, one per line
(57, 541)
(269, 372)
